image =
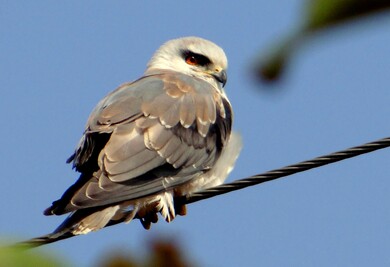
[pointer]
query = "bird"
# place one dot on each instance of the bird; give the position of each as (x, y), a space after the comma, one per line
(151, 141)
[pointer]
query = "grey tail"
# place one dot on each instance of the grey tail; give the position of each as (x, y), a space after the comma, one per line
(40, 241)
(58, 235)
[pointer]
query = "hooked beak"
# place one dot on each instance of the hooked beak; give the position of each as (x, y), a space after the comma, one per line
(221, 77)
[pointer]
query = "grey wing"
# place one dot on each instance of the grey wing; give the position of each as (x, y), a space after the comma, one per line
(145, 137)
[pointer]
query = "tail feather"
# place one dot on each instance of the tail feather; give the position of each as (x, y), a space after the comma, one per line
(41, 240)
(53, 237)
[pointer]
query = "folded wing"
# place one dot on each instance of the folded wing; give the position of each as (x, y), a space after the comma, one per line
(146, 137)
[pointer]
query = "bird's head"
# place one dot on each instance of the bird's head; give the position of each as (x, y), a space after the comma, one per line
(192, 56)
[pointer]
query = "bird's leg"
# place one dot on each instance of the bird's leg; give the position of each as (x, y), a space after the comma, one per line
(145, 223)
(148, 215)
(180, 207)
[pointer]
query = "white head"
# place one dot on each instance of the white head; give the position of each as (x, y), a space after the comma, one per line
(192, 56)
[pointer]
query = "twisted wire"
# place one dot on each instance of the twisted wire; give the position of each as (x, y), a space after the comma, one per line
(288, 170)
(240, 184)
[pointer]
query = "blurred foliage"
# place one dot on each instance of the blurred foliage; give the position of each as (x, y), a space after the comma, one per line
(325, 13)
(318, 15)
(162, 253)
(13, 257)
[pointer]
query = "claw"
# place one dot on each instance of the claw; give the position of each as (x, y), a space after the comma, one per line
(181, 209)
(145, 223)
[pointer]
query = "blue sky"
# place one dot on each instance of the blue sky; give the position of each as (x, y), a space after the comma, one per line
(58, 59)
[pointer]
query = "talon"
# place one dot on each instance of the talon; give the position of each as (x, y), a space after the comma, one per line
(181, 210)
(145, 223)
(152, 217)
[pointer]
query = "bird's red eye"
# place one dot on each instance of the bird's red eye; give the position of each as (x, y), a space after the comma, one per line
(195, 59)
(191, 60)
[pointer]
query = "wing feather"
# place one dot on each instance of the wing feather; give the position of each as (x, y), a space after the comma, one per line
(170, 147)
(124, 145)
(132, 166)
(147, 165)
(161, 131)
(157, 136)
(187, 111)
